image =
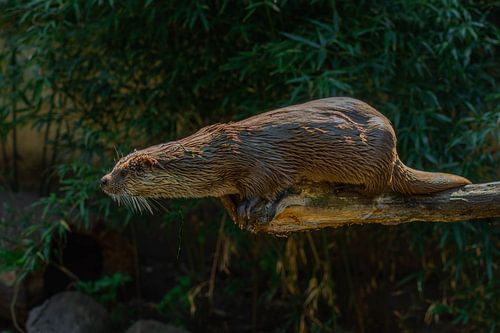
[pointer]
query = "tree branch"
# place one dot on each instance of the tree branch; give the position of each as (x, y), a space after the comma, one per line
(315, 206)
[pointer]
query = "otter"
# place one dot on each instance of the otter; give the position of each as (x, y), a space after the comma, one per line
(338, 140)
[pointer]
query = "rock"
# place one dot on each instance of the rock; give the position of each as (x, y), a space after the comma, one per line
(153, 326)
(69, 312)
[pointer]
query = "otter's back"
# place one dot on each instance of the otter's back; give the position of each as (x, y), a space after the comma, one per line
(333, 139)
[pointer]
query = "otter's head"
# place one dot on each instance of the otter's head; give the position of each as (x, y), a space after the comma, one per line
(168, 170)
(132, 180)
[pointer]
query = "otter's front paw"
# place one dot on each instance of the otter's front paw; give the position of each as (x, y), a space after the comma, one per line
(247, 212)
(255, 211)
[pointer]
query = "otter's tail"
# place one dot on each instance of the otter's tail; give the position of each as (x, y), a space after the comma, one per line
(410, 181)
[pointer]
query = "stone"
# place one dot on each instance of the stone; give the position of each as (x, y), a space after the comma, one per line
(69, 312)
(153, 326)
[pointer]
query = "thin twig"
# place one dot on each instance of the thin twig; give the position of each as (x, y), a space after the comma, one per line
(15, 178)
(215, 262)
(13, 302)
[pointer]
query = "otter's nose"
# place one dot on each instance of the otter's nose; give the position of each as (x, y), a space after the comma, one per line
(104, 181)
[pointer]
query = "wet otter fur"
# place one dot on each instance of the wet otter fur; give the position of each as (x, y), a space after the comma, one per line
(339, 140)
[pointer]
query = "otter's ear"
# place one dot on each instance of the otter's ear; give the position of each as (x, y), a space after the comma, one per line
(148, 161)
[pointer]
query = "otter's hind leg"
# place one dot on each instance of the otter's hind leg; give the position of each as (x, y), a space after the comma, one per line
(378, 183)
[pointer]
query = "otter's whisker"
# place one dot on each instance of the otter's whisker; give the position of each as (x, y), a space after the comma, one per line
(145, 204)
(128, 202)
(155, 203)
(138, 203)
(137, 208)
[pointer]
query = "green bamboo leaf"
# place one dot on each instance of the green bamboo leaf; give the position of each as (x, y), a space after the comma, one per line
(301, 39)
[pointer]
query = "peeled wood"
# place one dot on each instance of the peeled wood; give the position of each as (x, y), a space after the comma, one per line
(315, 206)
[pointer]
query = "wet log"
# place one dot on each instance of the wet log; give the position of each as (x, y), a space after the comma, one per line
(316, 206)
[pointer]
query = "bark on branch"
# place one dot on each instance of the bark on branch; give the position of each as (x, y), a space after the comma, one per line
(316, 206)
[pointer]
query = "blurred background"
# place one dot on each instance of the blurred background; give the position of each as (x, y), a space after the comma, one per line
(83, 82)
